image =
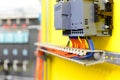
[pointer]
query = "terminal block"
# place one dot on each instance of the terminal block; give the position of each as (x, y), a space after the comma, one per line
(84, 17)
(73, 54)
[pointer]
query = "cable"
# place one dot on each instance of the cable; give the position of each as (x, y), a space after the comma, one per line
(86, 44)
(83, 43)
(91, 46)
(73, 40)
(68, 43)
(78, 43)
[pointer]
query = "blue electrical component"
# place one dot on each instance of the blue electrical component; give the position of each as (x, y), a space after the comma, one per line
(25, 37)
(24, 52)
(39, 17)
(18, 37)
(14, 37)
(2, 37)
(15, 52)
(8, 37)
(5, 52)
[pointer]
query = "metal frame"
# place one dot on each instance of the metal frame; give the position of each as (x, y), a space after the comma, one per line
(85, 62)
(110, 57)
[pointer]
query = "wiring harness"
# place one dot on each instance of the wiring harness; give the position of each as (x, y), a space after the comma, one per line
(81, 43)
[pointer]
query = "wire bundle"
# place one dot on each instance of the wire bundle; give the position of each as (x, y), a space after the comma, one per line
(82, 43)
(78, 43)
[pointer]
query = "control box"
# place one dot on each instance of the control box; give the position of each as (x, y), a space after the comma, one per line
(84, 17)
(17, 38)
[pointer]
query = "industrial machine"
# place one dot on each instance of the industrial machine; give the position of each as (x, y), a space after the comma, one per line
(17, 37)
(84, 17)
(81, 20)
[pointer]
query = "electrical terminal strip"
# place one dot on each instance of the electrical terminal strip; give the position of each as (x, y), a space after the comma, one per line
(66, 53)
(70, 50)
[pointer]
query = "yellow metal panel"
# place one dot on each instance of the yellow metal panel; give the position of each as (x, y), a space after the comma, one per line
(66, 70)
(43, 23)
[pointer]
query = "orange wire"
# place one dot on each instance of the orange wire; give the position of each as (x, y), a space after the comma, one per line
(73, 43)
(39, 66)
(38, 74)
(65, 54)
(83, 44)
(78, 43)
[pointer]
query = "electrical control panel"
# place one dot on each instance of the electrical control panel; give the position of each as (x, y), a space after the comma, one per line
(84, 17)
(17, 38)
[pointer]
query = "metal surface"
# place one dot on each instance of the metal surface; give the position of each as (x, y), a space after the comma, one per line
(83, 52)
(112, 57)
(69, 50)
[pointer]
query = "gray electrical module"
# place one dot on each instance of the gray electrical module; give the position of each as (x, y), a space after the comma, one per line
(84, 17)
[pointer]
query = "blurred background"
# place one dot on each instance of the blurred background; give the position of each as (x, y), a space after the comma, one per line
(19, 27)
